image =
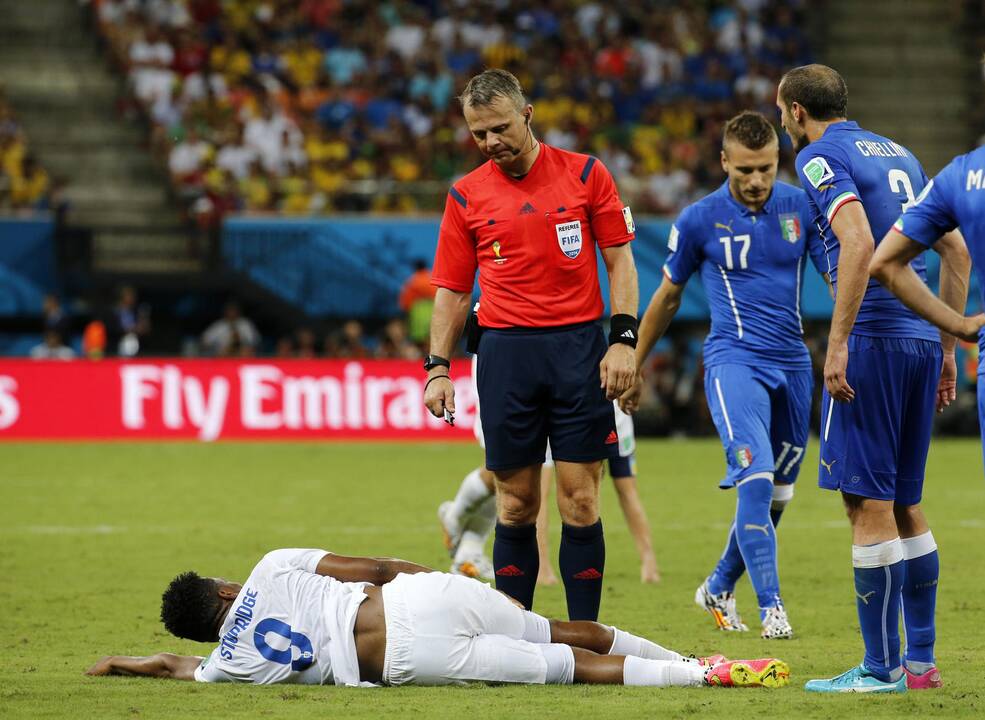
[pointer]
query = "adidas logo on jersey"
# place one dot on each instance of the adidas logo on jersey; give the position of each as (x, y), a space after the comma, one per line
(527, 209)
(613, 438)
(590, 574)
(510, 571)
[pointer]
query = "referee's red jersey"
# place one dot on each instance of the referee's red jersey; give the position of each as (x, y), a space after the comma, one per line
(533, 239)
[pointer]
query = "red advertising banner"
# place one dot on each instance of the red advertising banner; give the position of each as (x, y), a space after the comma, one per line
(225, 399)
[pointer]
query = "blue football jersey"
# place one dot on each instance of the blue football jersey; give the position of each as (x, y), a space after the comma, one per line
(955, 198)
(846, 164)
(752, 268)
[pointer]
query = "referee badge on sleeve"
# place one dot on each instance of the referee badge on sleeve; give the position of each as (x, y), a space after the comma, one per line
(569, 237)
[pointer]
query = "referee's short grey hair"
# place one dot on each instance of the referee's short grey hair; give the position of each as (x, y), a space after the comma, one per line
(485, 87)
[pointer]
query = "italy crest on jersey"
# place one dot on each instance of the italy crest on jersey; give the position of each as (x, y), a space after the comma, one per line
(790, 227)
(743, 456)
(569, 237)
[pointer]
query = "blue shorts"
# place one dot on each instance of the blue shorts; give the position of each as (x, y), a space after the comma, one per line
(762, 416)
(876, 445)
(540, 383)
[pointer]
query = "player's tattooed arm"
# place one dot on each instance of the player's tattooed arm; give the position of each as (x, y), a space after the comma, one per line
(891, 267)
(955, 270)
(162, 665)
(378, 571)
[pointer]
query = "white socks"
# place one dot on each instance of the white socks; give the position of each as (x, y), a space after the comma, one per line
(879, 555)
(661, 673)
(624, 643)
(477, 530)
(918, 546)
(470, 493)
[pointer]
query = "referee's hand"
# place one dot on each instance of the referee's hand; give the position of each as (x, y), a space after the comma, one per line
(439, 395)
(617, 370)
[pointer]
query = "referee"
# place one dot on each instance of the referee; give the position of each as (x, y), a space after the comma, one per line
(529, 220)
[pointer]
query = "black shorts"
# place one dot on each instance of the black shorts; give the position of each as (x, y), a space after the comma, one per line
(540, 383)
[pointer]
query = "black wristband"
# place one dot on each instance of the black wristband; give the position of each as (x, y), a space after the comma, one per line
(623, 329)
(431, 380)
(433, 361)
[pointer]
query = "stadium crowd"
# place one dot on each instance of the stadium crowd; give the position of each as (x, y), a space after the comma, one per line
(24, 183)
(321, 106)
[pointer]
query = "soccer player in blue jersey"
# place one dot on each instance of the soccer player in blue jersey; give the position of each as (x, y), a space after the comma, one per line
(955, 198)
(748, 240)
(883, 375)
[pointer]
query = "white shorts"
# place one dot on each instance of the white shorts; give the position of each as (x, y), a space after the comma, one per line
(446, 629)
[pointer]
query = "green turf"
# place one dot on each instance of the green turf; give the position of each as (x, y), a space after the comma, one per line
(90, 534)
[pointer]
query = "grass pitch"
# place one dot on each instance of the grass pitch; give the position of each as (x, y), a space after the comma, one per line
(91, 534)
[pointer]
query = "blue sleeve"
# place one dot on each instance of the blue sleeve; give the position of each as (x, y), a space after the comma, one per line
(826, 179)
(932, 215)
(685, 249)
(815, 248)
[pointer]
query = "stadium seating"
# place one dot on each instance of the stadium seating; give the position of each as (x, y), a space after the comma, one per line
(319, 106)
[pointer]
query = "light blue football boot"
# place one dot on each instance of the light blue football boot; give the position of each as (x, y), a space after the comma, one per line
(856, 680)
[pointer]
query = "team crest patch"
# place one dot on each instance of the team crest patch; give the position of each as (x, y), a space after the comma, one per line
(817, 171)
(569, 237)
(790, 227)
(627, 215)
(743, 456)
(672, 240)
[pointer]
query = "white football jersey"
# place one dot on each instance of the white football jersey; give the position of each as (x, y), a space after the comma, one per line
(288, 625)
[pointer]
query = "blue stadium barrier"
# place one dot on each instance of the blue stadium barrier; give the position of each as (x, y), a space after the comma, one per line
(27, 264)
(355, 266)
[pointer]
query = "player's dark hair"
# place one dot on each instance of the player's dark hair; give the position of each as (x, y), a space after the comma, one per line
(750, 129)
(818, 89)
(485, 87)
(189, 607)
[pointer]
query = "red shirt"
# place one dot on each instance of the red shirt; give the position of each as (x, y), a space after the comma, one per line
(533, 239)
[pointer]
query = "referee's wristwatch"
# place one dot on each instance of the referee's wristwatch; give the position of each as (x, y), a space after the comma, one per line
(433, 361)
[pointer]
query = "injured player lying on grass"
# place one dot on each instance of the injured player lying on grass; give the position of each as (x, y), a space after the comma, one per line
(310, 616)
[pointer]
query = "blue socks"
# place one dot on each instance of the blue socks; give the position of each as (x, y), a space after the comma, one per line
(582, 564)
(516, 561)
(879, 571)
(729, 569)
(731, 565)
(920, 600)
(756, 538)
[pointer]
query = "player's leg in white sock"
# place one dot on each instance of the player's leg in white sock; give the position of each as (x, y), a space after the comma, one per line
(472, 547)
(471, 493)
(661, 673)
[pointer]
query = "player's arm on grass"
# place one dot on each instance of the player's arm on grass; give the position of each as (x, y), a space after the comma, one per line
(661, 310)
(851, 225)
(162, 665)
(378, 571)
(618, 368)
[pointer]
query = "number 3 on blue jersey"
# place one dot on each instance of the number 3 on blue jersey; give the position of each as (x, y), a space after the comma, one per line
(899, 182)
